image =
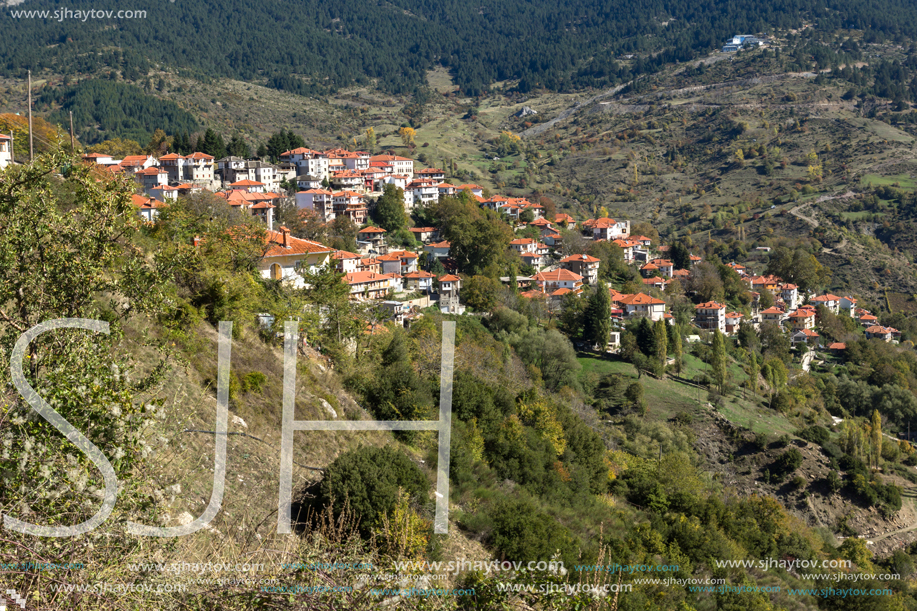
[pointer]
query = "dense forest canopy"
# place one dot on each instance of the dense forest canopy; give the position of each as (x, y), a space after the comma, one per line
(328, 44)
(106, 109)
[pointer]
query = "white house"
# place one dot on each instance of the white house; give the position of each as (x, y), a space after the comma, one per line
(711, 316)
(286, 255)
(640, 304)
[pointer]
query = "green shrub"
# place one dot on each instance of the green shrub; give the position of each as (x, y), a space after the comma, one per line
(834, 481)
(522, 532)
(815, 434)
(253, 381)
(368, 479)
(789, 461)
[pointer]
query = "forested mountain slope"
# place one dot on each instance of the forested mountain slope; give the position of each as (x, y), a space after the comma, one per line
(335, 43)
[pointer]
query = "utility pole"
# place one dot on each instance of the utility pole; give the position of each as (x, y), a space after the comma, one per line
(72, 146)
(31, 144)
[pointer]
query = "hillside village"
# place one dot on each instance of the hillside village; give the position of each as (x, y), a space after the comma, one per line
(338, 183)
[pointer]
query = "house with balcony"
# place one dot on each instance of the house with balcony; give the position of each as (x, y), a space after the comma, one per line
(774, 315)
(802, 318)
(832, 302)
(523, 245)
(419, 281)
(351, 205)
(640, 304)
(711, 316)
(584, 265)
(367, 286)
(886, 334)
(606, 229)
(375, 236)
(431, 174)
(346, 262)
(548, 282)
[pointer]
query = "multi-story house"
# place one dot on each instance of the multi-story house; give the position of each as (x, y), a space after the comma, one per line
(346, 262)
(309, 162)
(399, 165)
(367, 285)
(790, 295)
(152, 177)
(320, 201)
(351, 205)
(710, 316)
(523, 245)
(551, 281)
(418, 281)
(832, 302)
(733, 321)
(773, 314)
(802, 318)
(847, 305)
(640, 304)
(607, 229)
(584, 265)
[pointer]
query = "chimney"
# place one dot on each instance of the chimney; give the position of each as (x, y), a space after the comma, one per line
(285, 232)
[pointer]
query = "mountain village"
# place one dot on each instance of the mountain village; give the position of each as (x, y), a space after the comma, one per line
(341, 183)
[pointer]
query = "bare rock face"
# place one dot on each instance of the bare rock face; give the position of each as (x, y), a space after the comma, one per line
(526, 111)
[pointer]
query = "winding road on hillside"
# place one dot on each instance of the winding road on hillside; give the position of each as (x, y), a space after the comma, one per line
(814, 223)
(542, 127)
(808, 219)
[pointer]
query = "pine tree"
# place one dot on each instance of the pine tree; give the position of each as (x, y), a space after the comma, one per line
(718, 360)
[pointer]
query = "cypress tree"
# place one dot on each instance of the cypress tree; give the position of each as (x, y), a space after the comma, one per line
(662, 343)
(598, 317)
(677, 350)
(718, 360)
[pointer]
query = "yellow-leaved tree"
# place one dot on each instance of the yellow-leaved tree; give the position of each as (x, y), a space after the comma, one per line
(541, 415)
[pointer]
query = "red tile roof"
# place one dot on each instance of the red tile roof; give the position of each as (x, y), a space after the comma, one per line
(558, 275)
(639, 299)
(582, 258)
(297, 246)
(364, 277)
